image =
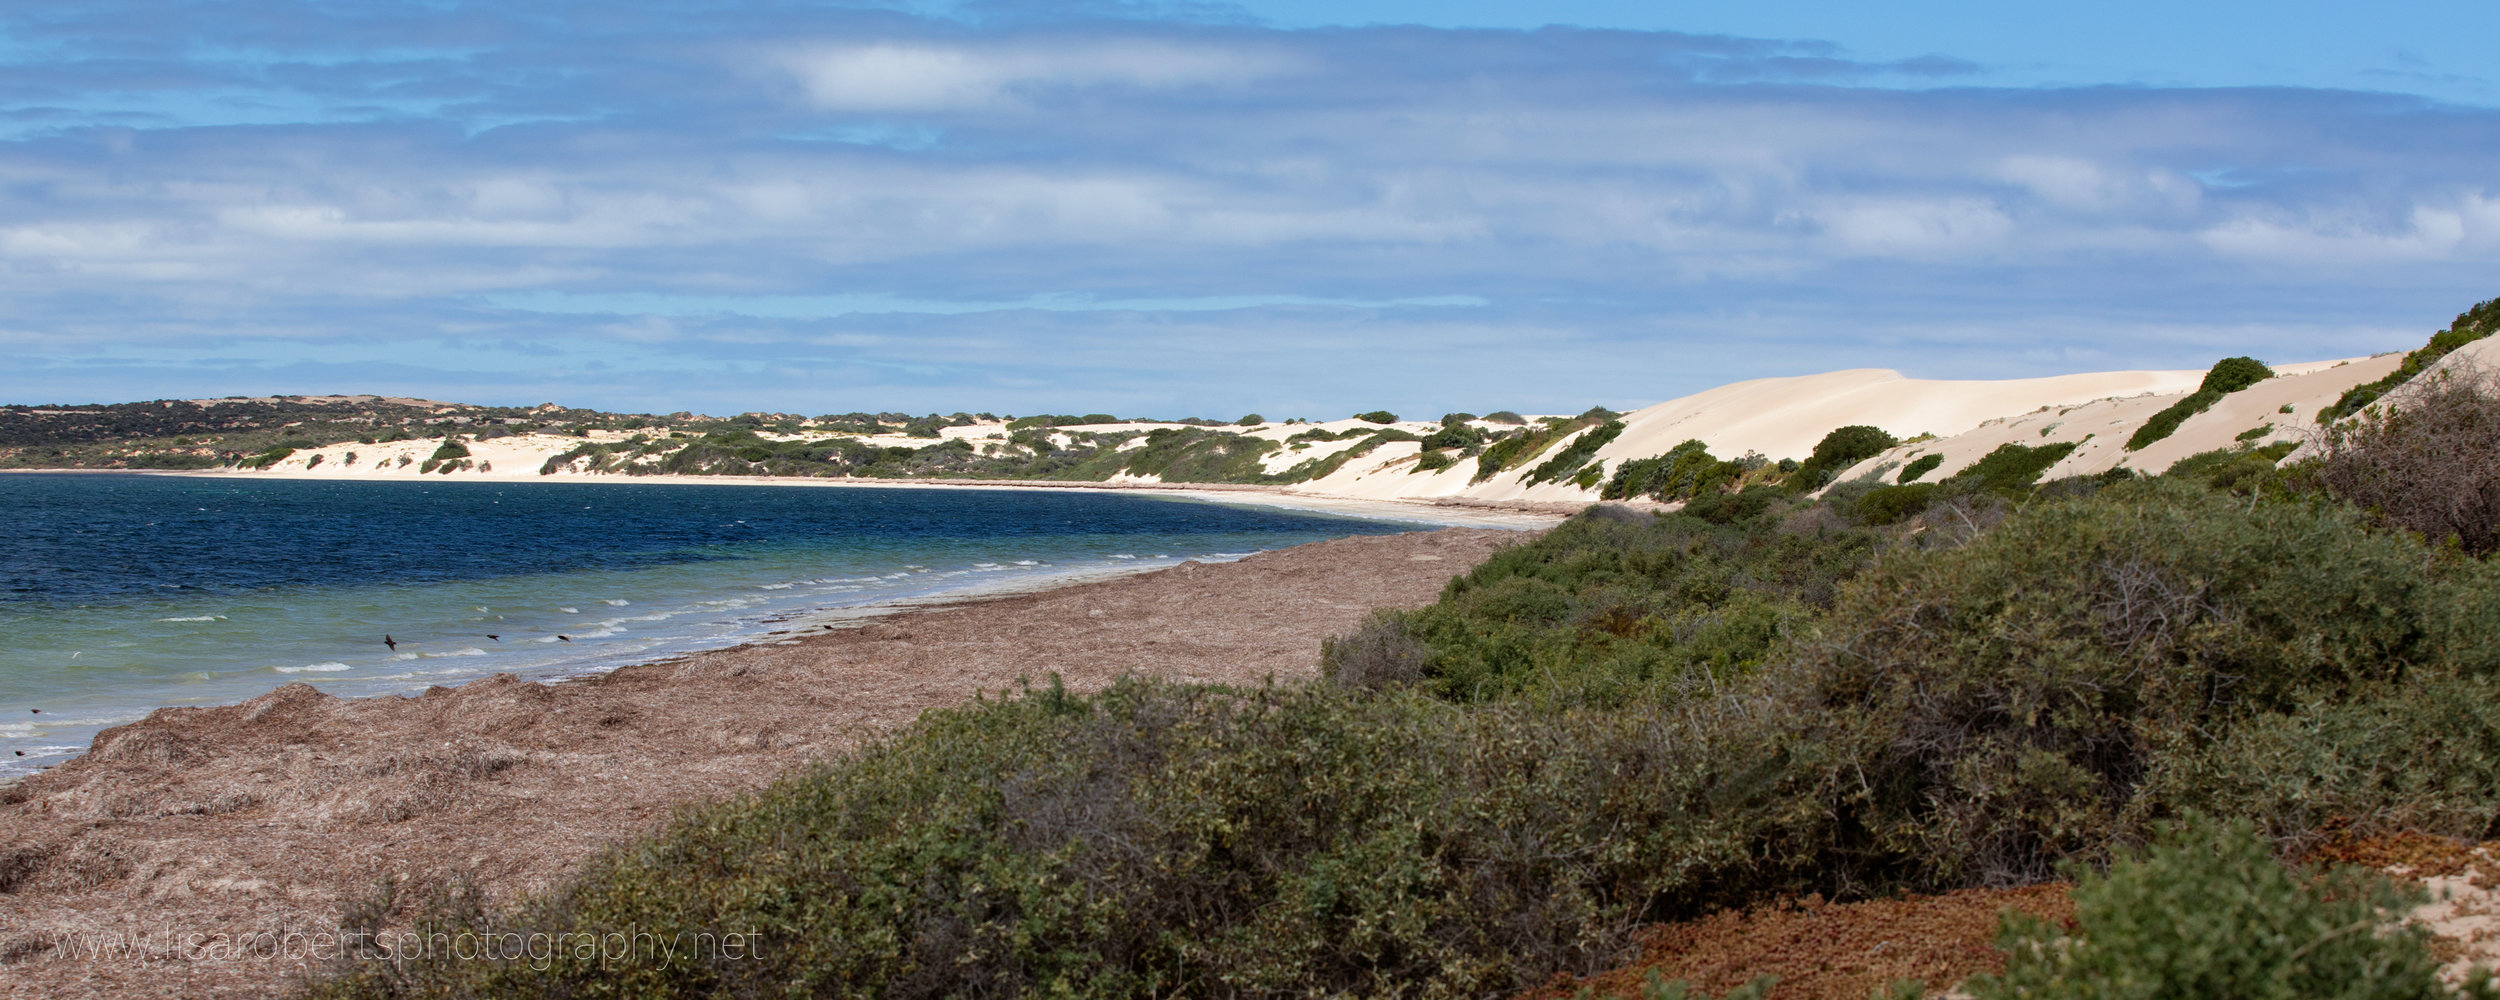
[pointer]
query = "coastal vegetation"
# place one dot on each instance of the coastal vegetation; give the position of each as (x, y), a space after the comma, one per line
(2227, 376)
(2471, 325)
(2165, 688)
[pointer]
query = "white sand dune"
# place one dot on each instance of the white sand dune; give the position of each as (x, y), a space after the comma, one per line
(1776, 418)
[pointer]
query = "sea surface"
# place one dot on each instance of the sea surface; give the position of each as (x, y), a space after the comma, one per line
(123, 593)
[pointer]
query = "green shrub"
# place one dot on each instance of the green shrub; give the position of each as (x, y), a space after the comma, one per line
(1919, 467)
(2430, 464)
(1569, 460)
(2227, 376)
(2161, 424)
(2469, 326)
(2239, 470)
(2234, 374)
(273, 456)
(1159, 840)
(1840, 449)
(1251, 420)
(1892, 504)
(1434, 461)
(1612, 605)
(1504, 417)
(2208, 914)
(2012, 468)
(1998, 703)
(1685, 472)
(446, 456)
(1377, 417)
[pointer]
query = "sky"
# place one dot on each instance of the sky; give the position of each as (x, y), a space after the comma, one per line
(1208, 209)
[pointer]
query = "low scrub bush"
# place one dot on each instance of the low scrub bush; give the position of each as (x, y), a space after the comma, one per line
(1568, 461)
(2469, 326)
(2427, 462)
(2000, 702)
(1377, 417)
(2231, 375)
(2238, 470)
(2209, 914)
(1892, 504)
(1919, 468)
(2012, 468)
(1614, 605)
(1160, 840)
(1840, 449)
(2227, 376)
(1685, 472)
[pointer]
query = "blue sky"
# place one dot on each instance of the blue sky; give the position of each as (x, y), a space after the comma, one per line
(1293, 208)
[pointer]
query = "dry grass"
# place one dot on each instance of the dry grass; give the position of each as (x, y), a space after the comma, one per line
(1830, 951)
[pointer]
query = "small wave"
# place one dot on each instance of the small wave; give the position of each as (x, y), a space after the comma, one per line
(1122, 555)
(570, 611)
(471, 651)
(314, 668)
(615, 603)
(775, 586)
(196, 618)
(1027, 562)
(403, 656)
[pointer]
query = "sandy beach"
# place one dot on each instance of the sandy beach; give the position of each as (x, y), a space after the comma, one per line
(136, 869)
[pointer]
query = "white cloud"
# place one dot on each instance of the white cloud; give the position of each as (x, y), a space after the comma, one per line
(2467, 227)
(913, 76)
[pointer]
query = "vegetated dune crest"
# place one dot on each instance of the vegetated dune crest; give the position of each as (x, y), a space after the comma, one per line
(1958, 420)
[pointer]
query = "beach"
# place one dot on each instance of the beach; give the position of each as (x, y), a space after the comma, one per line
(146, 865)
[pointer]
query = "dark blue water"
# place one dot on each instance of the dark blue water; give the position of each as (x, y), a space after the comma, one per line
(121, 593)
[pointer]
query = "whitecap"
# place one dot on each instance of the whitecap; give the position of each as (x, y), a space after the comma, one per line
(196, 618)
(471, 651)
(1027, 562)
(615, 603)
(775, 586)
(570, 611)
(403, 656)
(314, 668)
(1122, 555)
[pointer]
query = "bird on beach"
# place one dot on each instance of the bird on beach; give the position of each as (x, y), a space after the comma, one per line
(388, 641)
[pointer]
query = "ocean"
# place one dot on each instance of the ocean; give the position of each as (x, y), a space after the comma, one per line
(124, 593)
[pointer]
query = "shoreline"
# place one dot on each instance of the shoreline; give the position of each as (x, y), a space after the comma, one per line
(202, 818)
(1444, 511)
(68, 739)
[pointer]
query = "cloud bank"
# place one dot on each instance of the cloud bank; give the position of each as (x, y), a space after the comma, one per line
(730, 206)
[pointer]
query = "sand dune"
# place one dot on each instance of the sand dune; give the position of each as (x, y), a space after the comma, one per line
(1959, 420)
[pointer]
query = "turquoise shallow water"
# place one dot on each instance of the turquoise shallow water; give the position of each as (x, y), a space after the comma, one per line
(123, 593)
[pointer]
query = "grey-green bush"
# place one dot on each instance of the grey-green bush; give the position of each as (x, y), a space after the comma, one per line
(2209, 914)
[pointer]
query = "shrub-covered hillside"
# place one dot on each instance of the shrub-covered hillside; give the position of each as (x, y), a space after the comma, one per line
(1640, 718)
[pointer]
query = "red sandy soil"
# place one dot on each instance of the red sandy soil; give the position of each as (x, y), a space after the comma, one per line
(1828, 951)
(134, 870)
(1849, 951)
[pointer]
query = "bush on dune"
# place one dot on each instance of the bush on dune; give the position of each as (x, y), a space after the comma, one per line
(2227, 376)
(2428, 462)
(1838, 450)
